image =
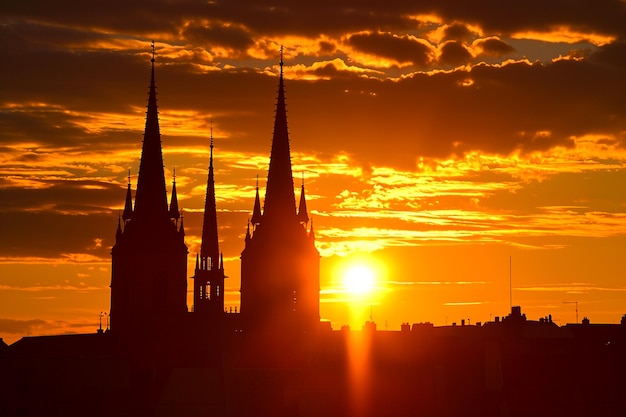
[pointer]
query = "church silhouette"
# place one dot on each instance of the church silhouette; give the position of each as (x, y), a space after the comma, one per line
(279, 263)
(274, 357)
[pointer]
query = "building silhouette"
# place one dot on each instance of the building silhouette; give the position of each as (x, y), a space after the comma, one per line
(208, 289)
(273, 358)
(279, 263)
(149, 258)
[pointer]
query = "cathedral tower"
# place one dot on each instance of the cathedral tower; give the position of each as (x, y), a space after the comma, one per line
(280, 264)
(208, 288)
(149, 258)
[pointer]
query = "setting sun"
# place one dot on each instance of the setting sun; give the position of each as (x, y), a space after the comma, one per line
(359, 279)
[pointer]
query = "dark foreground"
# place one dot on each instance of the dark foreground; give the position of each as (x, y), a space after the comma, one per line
(511, 368)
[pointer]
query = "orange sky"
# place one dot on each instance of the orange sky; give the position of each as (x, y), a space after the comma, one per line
(438, 142)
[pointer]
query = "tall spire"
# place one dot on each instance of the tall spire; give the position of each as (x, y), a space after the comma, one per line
(151, 198)
(210, 243)
(280, 201)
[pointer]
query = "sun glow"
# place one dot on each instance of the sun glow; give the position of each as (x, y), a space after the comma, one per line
(359, 279)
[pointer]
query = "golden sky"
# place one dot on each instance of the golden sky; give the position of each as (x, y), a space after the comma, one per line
(451, 148)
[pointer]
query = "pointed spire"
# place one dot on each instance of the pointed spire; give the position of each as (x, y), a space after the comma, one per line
(118, 232)
(256, 212)
(280, 201)
(151, 198)
(222, 261)
(181, 229)
(312, 232)
(128, 205)
(248, 236)
(303, 216)
(210, 242)
(174, 212)
(197, 261)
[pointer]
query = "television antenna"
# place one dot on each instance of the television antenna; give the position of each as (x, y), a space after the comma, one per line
(573, 302)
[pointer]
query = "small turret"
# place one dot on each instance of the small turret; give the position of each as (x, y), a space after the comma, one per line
(181, 229)
(128, 205)
(118, 233)
(303, 216)
(174, 211)
(312, 232)
(248, 235)
(256, 212)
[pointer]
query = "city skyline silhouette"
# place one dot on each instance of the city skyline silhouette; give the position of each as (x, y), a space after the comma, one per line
(472, 138)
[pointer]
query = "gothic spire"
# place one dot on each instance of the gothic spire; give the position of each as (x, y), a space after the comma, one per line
(210, 243)
(312, 232)
(118, 232)
(181, 229)
(128, 205)
(303, 216)
(280, 201)
(174, 211)
(256, 212)
(151, 198)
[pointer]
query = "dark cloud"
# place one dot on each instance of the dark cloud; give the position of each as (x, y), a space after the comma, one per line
(236, 38)
(323, 17)
(458, 32)
(403, 49)
(53, 194)
(63, 217)
(327, 48)
(494, 47)
(13, 326)
(40, 126)
(50, 235)
(502, 110)
(454, 53)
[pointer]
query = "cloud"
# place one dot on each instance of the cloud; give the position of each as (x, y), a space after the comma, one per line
(13, 326)
(493, 46)
(403, 50)
(454, 53)
(570, 288)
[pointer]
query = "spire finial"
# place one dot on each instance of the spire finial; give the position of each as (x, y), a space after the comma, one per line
(128, 176)
(302, 178)
(174, 175)
(281, 61)
(211, 132)
(257, 182)
(152, 60)
(211, 148)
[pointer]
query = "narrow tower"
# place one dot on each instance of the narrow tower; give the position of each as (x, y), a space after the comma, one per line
(280, 264)
(208, 289)
(149, 258)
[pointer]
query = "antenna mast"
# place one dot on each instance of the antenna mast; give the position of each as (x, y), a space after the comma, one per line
(573, 302)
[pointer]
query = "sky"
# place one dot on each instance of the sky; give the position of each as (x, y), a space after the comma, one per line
(469, 154)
